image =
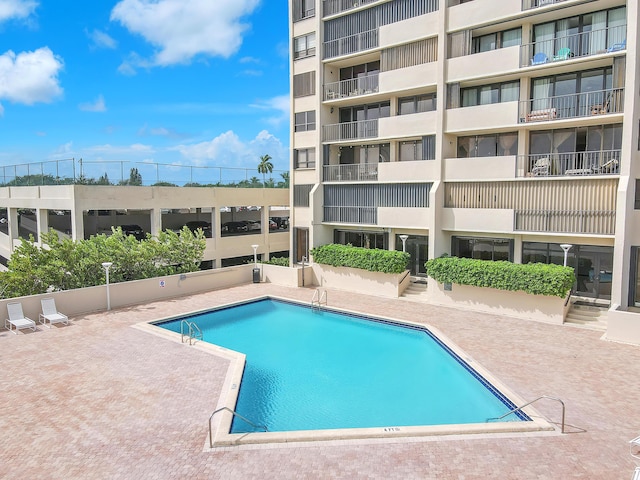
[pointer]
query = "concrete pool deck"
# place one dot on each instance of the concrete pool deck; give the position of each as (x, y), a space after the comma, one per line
(99, 399)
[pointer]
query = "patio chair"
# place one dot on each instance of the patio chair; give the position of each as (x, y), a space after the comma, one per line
(539, 58)
(616, 47)
(610, 166)
(17, 320)
(563, 54)
(541, 167)
(51, 314)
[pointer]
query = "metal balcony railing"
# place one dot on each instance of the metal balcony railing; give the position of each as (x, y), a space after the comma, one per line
(596, 222)
(331, 7)
(565, 47)
(572, 106)
(604, 162)
(529, 4)
(358, 172)
(350, 130)
(351, 44)
(356, 215)
(352, 87)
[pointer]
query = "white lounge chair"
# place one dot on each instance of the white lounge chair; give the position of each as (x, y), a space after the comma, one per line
(17, 320)
(51, 314)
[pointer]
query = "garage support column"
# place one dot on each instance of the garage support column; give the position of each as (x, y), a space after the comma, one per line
(156, 221)
(42, 220)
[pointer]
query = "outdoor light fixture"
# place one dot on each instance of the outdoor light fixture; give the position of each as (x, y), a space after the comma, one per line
(404, 242)
(565, 248)
(107, 266)
(255, 255)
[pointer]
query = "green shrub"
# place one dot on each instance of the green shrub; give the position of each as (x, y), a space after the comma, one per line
(373, 260)
(280, 261)
(534, 278)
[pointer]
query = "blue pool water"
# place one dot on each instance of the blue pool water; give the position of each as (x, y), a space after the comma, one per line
(310, 370)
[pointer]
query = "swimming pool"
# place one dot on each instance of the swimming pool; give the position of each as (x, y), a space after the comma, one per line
(320, 370)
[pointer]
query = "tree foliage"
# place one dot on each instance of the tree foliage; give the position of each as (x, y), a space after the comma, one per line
(64, 264)
(265, 166)
(374, 260)
(533, 278)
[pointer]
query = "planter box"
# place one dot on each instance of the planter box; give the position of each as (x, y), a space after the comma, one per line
(360, 281)
(286, 276)
(500, 302)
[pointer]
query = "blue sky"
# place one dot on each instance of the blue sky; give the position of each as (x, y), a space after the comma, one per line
(191, 82)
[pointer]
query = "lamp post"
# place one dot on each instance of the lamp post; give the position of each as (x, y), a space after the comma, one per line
(404, 242)
(255, 255)
(565, 248)
(107, 266)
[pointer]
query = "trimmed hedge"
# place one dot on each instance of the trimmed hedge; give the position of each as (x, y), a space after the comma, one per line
(280, 261)
(534, 278)
(373, 260)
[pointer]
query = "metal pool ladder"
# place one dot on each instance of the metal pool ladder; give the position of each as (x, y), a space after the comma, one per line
(319, 298)
(235, 414)
(529, 403)
(190, 330)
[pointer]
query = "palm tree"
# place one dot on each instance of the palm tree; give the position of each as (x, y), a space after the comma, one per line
(264, 167)
(285, 180)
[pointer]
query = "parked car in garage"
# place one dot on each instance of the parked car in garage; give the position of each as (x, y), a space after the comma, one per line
(135, 230)
(253, 225)
(233, 227)
(282, 222)
(196, 224)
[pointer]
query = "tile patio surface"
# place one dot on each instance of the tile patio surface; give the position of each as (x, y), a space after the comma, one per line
(99, 399)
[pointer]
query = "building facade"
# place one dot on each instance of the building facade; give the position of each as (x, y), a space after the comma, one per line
(480, 128)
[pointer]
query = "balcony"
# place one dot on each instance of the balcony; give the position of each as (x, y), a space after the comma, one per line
(350, 130)
(483, 64)
(593, 222)
(351, 44)
(352, 87)
(566, 47)
(606, 162)
(530, 4)
(572, 106)
(479, 12)
(358, 172)
(492, 115)
(333, 7)
(355, 215)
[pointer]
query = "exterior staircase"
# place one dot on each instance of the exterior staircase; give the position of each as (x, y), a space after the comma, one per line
(416, 291)
(588, 313)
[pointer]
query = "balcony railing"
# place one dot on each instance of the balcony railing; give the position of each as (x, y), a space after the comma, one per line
(331, 7)
(351, 44)
(605, 162)
(598, 222)
(358, 172)
(360, 215)
(352, 87)
(572, 106)
(529, 4)
(350, 130)
(583, 44)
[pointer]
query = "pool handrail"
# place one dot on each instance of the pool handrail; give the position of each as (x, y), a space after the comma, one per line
(233, 412)
(318, 299)
(193, 331)
(529, 403)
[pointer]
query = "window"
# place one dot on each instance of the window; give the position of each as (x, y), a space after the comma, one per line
(303, 9)
(304, 84)
(482, 248)
(423, 149)
(493, 41)
(637, 195)
(305, 121)
(304, 46)
(500, 145)
(599, 138)
(365, 112)
(304, 158)
(301, 195)
(361, 239)
(417, 104)
(487, 94)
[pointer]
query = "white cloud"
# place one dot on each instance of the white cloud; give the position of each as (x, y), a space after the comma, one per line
(181, 30)
(30, 77)
(228, 150)
(16, 9)
(280, 105)
(97, 106)
(101, 39)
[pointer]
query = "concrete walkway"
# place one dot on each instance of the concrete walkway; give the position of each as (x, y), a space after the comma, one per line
(99, 399)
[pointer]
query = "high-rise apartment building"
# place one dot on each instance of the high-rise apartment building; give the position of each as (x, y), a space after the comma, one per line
(493, 129)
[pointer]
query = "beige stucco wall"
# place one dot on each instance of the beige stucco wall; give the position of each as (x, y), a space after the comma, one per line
(408, 30)
(482, 11)
(480, 168)
(485, 64)
(357, 280)
(418, 171)
(623, 326)
(500, 302)
(404, 217)
(408, 78)
(495, 115)
(400, 126)
(477, 219)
